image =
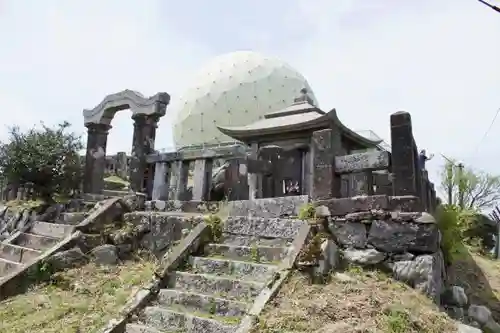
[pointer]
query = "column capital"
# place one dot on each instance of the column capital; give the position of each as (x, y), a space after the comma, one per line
(145, 120)
(98, 128)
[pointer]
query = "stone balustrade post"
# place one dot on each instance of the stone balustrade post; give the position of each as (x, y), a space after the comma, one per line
(161, 181)
(202, 178)
(180, 179)
(325, 182)
(404, 171)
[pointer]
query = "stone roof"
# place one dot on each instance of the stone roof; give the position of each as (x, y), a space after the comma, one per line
(301, 115)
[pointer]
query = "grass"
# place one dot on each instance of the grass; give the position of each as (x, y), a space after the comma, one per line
(117, 180)
(80, 300)
(358, 301)
(480, 277)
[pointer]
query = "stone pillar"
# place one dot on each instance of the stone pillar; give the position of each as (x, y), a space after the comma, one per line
(180, 179)
(424, 197)
(161, 181)
(121, 165)
(325, 145)
(202, 179)
(142, 145)
(252, 177)
(95, 159)
(236, 181)
(433, 198)
(403, 155)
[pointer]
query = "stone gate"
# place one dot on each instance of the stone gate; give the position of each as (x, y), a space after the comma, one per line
(146, 112)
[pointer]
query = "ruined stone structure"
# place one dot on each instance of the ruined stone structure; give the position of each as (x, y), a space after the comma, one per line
(146, 113)
(118, 165)
(300, 150)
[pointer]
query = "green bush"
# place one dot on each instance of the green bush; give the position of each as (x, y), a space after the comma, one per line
(454, 223)
(307, 212)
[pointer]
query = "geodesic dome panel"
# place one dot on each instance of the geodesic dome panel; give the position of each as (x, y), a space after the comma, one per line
(235, 89)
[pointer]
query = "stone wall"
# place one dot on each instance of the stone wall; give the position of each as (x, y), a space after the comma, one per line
(384, 231)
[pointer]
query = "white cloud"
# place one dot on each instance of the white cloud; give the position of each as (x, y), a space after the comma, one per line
(62, 57)
(435, 60)
(368, 59)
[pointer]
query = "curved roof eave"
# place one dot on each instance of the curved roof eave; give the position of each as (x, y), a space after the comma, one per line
(355, 136)
(242, 133)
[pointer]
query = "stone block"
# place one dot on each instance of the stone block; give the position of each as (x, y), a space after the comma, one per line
(262, 227)
(268, 207)
(377, 160)
(343, 206)
(222, 285)
(364, 256)
(206, 303)
(404, 203)
(105, 254)
(237, 269)
(398, 237)
(349, 234)
(67, 259)
(424, 273)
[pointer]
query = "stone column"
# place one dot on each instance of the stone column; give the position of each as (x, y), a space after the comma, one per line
(142, 145)
(424, 197)
(180, 179)
(252, 177)
(403, 155)
(202, 179)
(95, 159)
(121, 165)
(161, 181)
(325, 145)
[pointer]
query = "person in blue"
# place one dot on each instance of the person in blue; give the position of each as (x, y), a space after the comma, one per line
(422, 158)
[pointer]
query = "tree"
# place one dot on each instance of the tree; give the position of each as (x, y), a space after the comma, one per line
(477, 190)
(48, 158)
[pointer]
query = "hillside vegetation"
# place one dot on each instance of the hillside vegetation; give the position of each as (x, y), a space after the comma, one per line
(354, 301)
(78, 300)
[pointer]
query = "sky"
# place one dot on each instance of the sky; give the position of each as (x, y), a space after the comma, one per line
(437, 60)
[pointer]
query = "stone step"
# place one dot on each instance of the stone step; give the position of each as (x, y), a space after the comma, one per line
(137, 328)
(222, 286)
(239, 269)
(53, 230)
(94, 197)
(18, 253)
(254, 253)
(7, 266)
(262, 226)
(200, 302)
(73, 218)
(35, 242)
(167, 319)
(115, 193)
(243, 240)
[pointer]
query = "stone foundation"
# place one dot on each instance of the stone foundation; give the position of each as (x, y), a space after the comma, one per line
(383, 231)
(266, 207)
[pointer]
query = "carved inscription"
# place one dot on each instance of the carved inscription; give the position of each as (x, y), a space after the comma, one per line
(377, 160)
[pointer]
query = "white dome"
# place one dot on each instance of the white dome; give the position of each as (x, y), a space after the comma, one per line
(234, 89)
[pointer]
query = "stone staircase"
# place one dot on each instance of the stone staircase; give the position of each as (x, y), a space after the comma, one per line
(24, 247)
(27, 243)
(215, 290)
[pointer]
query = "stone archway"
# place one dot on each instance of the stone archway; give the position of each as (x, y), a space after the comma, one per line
(146, 112)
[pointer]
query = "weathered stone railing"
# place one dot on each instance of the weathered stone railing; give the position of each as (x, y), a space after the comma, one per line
(16, 192)
(407, 176)
(326, 169)
(171, 171)
(403, 176)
